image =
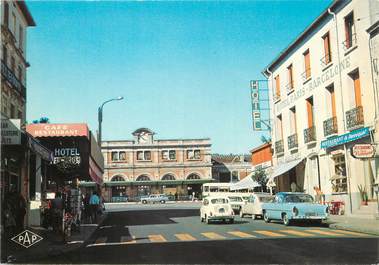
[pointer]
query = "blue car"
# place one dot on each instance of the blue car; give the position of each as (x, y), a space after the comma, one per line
(290, 206)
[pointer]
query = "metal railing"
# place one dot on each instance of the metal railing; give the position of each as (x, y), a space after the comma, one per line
(310, 134)
(330, 126)
(354, 118)
(289, 87)
(326, 59)
(276, 97)
(292, 141)
(11, 78)
(279, 147)
(350, 41)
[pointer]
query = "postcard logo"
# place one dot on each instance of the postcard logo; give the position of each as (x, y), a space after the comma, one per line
(27, 239)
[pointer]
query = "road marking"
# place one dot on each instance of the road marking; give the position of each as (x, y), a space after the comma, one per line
(101, 241)
(128, 239)
(268, 233)
(295, 233)
(350, 233)
(241, 234)
(212, 235)
(157, 238)
(322, 232)
(185, 237)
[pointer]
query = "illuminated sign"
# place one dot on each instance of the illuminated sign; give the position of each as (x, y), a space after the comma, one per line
(256, 112)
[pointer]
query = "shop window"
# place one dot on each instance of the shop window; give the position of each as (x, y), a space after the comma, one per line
(168, 155)
(144, 155)
(327, 52)
(193, 154)
(339, 179)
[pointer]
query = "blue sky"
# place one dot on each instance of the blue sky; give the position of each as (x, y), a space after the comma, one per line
(183, 67)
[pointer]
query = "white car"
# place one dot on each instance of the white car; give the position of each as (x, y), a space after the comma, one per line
(236, 202)
(216, 208)
(253, 206)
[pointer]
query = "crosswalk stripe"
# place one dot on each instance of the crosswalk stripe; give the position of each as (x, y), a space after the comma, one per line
(322, 232)
(157, 238)
(350, 233)
(295, 233)
(212, 235)
(268, 233)
(101, 240)
(185, 237)
(241, 234)
(128, 239)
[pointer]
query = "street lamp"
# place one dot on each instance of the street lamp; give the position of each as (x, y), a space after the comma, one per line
(100, 116)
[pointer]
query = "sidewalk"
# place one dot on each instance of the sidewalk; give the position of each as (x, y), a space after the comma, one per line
(52, 244)
(344, 222)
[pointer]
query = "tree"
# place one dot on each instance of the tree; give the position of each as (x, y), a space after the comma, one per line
(260, 176)
(42, 120)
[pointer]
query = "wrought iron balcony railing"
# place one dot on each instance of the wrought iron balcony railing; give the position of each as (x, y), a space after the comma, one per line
(292, 141)
(330, 126)
(354, 118)
(310, 134)
(350, 41)
(279, 147)
(327, 59)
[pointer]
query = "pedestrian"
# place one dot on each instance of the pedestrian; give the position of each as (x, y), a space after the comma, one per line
(57, 206)
(20, 211)
(86, 206)
(94, 202)
(319, 197)
(176, 196)
(293, 187)
(193, 196)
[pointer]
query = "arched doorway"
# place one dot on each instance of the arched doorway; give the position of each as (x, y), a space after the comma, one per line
(194, 189)
(118, 191)
(168, 189)
(143, 190)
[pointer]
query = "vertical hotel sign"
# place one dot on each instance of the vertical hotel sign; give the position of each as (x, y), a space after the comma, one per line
(256, 112)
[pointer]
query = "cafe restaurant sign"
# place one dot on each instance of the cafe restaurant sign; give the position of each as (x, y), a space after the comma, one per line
(10, 132)
(345, 138)
(58, 130)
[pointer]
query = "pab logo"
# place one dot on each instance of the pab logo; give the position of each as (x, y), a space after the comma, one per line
(27, 238)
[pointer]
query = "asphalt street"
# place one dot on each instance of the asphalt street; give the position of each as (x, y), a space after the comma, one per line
(174, 234)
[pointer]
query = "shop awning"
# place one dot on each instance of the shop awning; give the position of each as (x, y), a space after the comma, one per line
(246, 183)
(283, 168)
(95, 172)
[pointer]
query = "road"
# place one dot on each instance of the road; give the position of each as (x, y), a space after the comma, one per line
(174, 234)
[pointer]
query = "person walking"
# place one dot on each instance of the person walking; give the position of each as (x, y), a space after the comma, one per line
(94, 203)
(87, 209)
(57, 206)
(20, 204)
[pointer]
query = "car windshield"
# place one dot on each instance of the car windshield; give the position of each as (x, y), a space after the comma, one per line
(235, 199)
(266, 198)
(298, 198)
(219, 201)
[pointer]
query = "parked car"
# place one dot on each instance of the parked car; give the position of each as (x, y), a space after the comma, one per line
(236, 202)
(253, 206)
(154, 198)
(290, 206)
(216, 208)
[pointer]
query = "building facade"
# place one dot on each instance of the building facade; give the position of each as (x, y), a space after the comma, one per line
(230, 168)
(261, 156)
(145, 165)
(324, 104)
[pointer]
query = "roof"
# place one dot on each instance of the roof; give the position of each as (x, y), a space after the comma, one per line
(140, 130)
(255, 149)
(231, 158)
(311, 28)
(25, 11)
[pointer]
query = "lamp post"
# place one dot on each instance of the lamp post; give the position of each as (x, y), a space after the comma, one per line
(100, 117)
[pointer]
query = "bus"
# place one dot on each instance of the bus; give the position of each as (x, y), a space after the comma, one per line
(223, 189)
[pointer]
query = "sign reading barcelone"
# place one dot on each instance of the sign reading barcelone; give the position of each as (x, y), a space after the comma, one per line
(313, 84)
(345, 138)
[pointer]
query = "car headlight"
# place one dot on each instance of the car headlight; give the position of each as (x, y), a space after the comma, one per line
(295, 211)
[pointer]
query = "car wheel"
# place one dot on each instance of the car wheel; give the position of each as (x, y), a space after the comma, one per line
(241, 214)
(144, 201)
(162, 201)
(253, 216)
(265, 217)
(286, 221)
(201, 219)
(207, 220)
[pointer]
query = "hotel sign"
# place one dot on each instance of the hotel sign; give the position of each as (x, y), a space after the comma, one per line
(256, 112)
(10, 131)
(314, 83)
(345, 138)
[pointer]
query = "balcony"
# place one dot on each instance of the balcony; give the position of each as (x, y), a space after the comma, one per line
(354, 118)
(11, 78)
(289, 87)
(292, 141)
(310, 135)
(279, 147)
(350, 42)
(330, 126)
(326, 60)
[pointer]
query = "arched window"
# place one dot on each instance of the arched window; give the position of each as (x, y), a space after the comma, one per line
(168, 177)
(143, 178)
(118, 178)
(193, 176)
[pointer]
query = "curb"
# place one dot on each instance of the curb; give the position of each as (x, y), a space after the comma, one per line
(354, 229)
